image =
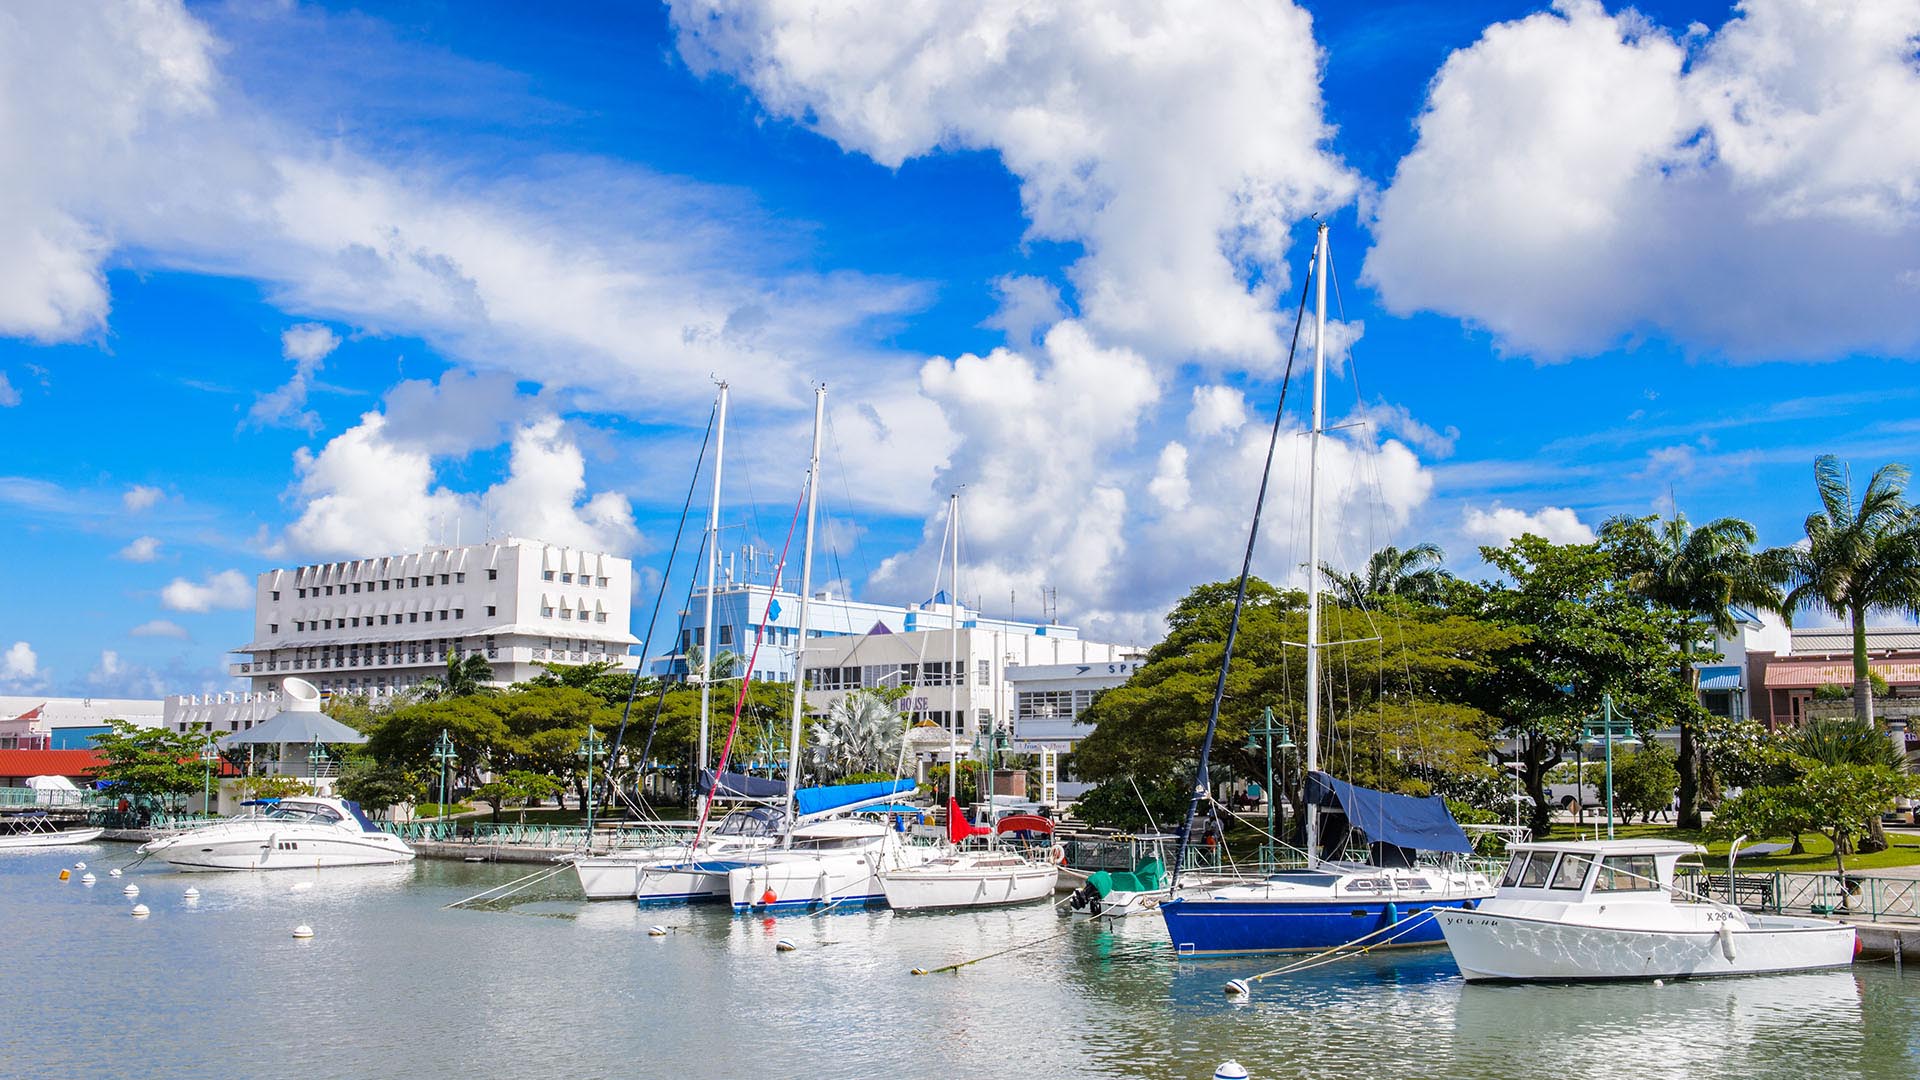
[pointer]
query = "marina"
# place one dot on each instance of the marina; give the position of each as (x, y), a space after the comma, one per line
(554, 983)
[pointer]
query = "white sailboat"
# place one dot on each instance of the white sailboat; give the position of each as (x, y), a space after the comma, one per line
(1330, 902)
(981, 877)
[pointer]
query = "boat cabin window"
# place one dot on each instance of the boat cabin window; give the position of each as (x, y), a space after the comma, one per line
(758, 821)
(1514, 869)
(1538, 869)
(315, 815)
(1626, 873)
(1572, 873)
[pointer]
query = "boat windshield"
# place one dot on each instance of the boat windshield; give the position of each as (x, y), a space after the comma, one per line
(311, 815)
(1528, 870)
(758, 821)
(1572, 873)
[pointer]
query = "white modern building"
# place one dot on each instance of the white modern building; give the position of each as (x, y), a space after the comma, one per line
(53, 723)
(381, 624)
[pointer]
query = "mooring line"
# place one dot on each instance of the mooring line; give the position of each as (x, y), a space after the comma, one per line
(536, 876)
(991, 955)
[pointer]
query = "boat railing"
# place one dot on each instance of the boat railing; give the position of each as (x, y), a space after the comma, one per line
(534, 834)
(1783, 892)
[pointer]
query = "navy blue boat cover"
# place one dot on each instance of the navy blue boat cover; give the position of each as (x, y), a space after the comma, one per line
(735, 785)
(1401, 820)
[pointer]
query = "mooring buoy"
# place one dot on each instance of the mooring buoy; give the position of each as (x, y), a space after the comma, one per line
(784, 945)
(191, 893)
(131, 890)
(140, 911)
(86, 878)
(656, 931)
(303, 931)
(65, 874)
(115, 872)
(1239, 988)
(1230, 1070)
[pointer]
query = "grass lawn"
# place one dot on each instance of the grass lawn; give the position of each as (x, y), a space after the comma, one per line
(432, 810)
(1818, 859)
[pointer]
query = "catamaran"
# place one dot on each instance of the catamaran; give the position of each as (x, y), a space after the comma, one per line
(1386, 901)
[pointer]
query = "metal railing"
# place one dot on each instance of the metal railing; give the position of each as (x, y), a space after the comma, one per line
(533, 834)
(1783, 893)
(50, 798)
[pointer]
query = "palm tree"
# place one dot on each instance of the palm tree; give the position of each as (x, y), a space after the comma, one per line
(725, 663)
(1414, 574)
(464, 678)
(1833, 741)
(861, 732)
(1856, 560)
(1700, 573)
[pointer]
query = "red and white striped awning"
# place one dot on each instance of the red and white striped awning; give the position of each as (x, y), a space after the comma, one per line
(1808, 674)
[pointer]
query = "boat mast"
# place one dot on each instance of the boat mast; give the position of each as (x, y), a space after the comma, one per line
(1313, 534)
(806, 593)
(953, 670)
(713, 568)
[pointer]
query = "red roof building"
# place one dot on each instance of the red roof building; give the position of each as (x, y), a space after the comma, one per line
(17, 765)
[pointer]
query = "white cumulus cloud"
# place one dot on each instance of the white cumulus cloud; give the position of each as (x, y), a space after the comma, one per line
(307, 345)
(1217, 410)
(141, 497)
(9, 397)
(166, 628)
(142, 549)
(1495, 525)
(20, 664)
(1176, 143)
(227, 590)
(1582, 178)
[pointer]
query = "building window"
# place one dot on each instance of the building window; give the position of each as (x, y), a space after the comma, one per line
(415, 582)
(385, 586)
(413, 616)
(546, 575)
(984, 676)
(725, 635)
(276, 594)
(460, 578)
(566, 577)
(546, 612)
(302, 593)
(493, 575)
(491, 611)
(602, 582)
(383, 620)
(599, 616)
(566, 613)
(444, 579)
(273, 628)
(459, 613)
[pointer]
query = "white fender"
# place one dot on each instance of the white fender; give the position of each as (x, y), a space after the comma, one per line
(1726, 939)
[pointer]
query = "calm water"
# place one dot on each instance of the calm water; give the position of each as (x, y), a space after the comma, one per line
(395, 985)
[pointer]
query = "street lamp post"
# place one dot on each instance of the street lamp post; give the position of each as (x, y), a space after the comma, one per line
(1267, 731)
(315, 758)
(1605, 730)
(207, 756)
(590, 748)
(443, 753)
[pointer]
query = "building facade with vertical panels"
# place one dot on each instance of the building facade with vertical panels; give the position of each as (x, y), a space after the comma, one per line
(382, 624)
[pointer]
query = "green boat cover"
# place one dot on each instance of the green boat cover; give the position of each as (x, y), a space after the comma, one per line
(1145, 877)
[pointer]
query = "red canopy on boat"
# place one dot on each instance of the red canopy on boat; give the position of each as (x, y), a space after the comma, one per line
(1024, 823)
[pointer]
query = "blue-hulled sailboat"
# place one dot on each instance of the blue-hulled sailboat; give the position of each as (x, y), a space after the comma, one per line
(1383, 902)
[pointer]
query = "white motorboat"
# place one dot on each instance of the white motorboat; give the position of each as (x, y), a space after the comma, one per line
(292, 834)
(1608, 909)
(831, 862)
(39, 831)
(985, 878)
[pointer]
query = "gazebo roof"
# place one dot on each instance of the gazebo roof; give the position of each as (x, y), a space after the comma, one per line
(300, 722)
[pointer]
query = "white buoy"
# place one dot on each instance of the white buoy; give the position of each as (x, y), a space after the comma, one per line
(86, 878)
(656, 931)
(303, 931)
(191, 893)
(1239, 988)
(1659, 982)
(140, 911)
(115, 872)
(79, 866)
(1230, 1070)
(784, 945)
(131, 890)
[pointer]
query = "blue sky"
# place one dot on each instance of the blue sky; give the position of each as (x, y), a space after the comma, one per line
(294, 281)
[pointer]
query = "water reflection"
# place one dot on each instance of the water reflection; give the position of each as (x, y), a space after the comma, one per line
(397, 983)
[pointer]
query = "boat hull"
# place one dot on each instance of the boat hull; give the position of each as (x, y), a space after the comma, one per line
(697, 882)
(299, 853)
(1497, 947)
(65, 838)
(928, 888)
(1203, 927)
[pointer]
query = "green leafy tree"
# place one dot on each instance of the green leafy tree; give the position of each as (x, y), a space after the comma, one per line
(1116, 804)
(936, 786)
(150, 763)
(273, 786)
(406, 737)
(1857, 559)
(1835, 799)
(1699, 572)
(1768, 811)
(1416, 574)
(603, 679)
(518, 786)
(379, 787)
(1644, 781)
(1583, 636)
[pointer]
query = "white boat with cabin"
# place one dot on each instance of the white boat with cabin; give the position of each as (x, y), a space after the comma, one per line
(1609, 909)
(301, 833)
(836, 862)
(36, 830)
(990, 877)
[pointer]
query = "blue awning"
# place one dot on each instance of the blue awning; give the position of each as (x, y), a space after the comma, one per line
(1401, 820)
(819, 800)
(1720, 678)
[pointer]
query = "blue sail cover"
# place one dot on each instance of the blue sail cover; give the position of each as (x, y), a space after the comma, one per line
(1401, 820)
(820, 800)
(735, 785)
